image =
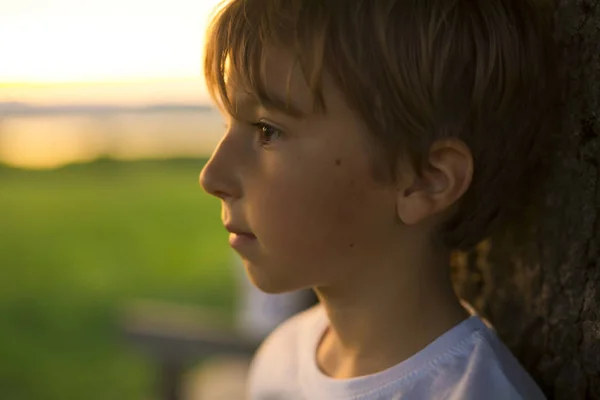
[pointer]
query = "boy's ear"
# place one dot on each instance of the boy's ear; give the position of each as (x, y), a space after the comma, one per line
(444, 179)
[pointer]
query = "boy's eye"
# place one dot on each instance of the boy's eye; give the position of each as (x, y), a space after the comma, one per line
(267, 133)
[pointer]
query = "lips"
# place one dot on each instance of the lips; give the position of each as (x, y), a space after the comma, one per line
(240, 239)
(238, 231)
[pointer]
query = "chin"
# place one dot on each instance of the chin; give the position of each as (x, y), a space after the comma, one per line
(268, 282)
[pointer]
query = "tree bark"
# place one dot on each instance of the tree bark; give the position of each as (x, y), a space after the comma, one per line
(540, 285)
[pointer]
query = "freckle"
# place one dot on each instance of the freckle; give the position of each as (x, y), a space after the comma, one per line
(351, 244)
(338, 162)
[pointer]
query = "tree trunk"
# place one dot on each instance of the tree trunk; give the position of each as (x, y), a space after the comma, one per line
(541, 287)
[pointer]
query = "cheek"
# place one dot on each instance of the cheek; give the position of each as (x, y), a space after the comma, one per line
(314, 213)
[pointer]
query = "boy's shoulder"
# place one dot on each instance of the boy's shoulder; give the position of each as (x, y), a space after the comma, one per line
(466, 362)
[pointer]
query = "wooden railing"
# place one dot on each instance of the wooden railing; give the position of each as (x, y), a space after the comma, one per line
(177, 337)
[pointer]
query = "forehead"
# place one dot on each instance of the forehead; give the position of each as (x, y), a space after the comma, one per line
(281, 83)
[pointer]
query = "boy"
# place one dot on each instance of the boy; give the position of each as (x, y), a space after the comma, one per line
(366, 140)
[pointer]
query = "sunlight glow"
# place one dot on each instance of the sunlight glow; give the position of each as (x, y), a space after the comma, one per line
(107, 40)
(102, 52)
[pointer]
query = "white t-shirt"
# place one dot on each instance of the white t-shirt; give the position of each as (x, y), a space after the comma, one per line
(467, 362)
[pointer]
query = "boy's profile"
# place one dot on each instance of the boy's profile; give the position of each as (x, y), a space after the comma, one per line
(367, 140)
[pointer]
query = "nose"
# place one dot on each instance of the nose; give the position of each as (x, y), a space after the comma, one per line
(219, 177)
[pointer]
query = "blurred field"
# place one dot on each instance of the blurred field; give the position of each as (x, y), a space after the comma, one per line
(75, 244)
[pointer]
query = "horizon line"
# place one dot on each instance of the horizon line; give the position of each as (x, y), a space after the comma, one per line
(16, 108)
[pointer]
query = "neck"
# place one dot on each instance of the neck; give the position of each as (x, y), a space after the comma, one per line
(384, 315)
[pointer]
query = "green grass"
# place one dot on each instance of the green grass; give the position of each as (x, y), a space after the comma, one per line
(75, 245)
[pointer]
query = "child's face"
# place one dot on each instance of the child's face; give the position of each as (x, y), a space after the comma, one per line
(304, 187)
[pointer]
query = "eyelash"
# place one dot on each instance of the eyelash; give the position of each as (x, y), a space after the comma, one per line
(262, 127)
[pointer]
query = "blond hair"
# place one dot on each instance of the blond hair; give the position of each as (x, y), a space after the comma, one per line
(415, 71)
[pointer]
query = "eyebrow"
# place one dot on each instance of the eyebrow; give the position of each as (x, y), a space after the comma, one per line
(273, 101)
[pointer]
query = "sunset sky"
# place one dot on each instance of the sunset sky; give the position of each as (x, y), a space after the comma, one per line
(102, 51)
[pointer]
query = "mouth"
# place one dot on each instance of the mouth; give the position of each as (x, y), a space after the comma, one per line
(239, 237)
